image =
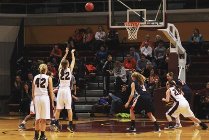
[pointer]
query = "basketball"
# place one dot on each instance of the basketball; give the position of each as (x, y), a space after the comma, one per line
(89, 6)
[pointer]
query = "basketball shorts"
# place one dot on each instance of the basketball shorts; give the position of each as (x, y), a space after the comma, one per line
(42, 107)
(181, 107)
(64, 98)
(32, 108)
(144, 102)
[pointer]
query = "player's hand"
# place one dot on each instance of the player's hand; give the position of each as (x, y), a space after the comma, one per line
(53, 106)
(67, 50)
(163, 99)
(73, 50)
(126, 105)
(76, 98)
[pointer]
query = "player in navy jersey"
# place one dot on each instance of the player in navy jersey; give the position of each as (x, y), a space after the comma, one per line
(139, 100)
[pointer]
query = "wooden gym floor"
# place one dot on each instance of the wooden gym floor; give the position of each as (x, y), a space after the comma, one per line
(103, 129)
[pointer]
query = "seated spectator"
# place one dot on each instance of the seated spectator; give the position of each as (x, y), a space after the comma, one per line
(52, 70)
(112, 39)
(100, 37)
(203, 102)
(134, 54)
(196, 43)
(118, 100)
(26, 97)
(158, 39)
(107, 72)
(159, 55)
(101, 57)
(77, 38)
(146, 71)
(147, 40)
(141, 64)
(88, 37)
(56, 54)
(30, 81)
(153, 80)
(119, 74)
(16, 90)
(129, 63)
(146, 50)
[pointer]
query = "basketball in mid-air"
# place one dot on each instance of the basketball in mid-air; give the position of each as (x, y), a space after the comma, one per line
(89, 6)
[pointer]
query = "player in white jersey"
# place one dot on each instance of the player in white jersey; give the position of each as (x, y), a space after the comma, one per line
(42, 83)
(64, 98)
(180, 106)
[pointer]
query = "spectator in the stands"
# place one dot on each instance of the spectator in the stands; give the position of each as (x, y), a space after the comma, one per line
(100, 37)
(159, 55)
(107, 72)
(141, 64)
(118, 99)
(158, 39)
(129, 62)
(88, 37)
(185, 88)
(134, 54)
(30, 81)
(119, 74)
(153, 80)
(203, 102)
(147, 40)
(77, 38)
(196, 43)
(112, 39)
(146, 50)
(146, 71)
(16, 90)
(26, 97)
(52, 69)
(101, 57)
(56, 54)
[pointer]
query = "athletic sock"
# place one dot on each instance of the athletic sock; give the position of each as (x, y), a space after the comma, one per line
(36, 133)
(42, 133)
(70, 123)
(155, 123)
(133, 123)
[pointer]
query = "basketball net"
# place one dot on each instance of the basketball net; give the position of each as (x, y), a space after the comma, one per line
(132, 28)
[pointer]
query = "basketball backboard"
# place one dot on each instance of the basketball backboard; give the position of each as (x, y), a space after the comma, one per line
(150, 13)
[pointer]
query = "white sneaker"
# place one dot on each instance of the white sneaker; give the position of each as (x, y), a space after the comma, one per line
(178, 125)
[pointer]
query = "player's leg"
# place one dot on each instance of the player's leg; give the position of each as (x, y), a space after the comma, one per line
(178, 122)
(22, 124)
(37, 129)
(45, 114)
(196, 120)
(43, 129)
(38, 116)
(68, 106)
(133, 118)
(70, 119)
(153, 119)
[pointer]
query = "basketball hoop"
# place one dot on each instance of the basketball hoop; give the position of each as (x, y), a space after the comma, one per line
(132, 28)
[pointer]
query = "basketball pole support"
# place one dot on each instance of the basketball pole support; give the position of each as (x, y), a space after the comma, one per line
(171, 32)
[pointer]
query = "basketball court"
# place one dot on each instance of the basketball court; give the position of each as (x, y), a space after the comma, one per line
(131, 17)
(103, 128)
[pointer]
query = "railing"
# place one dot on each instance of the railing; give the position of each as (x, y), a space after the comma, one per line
(100, 6)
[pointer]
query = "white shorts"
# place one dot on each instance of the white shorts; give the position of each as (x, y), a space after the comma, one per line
(181, 107)
(64, 98)
(32, 108)
(42, 107)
